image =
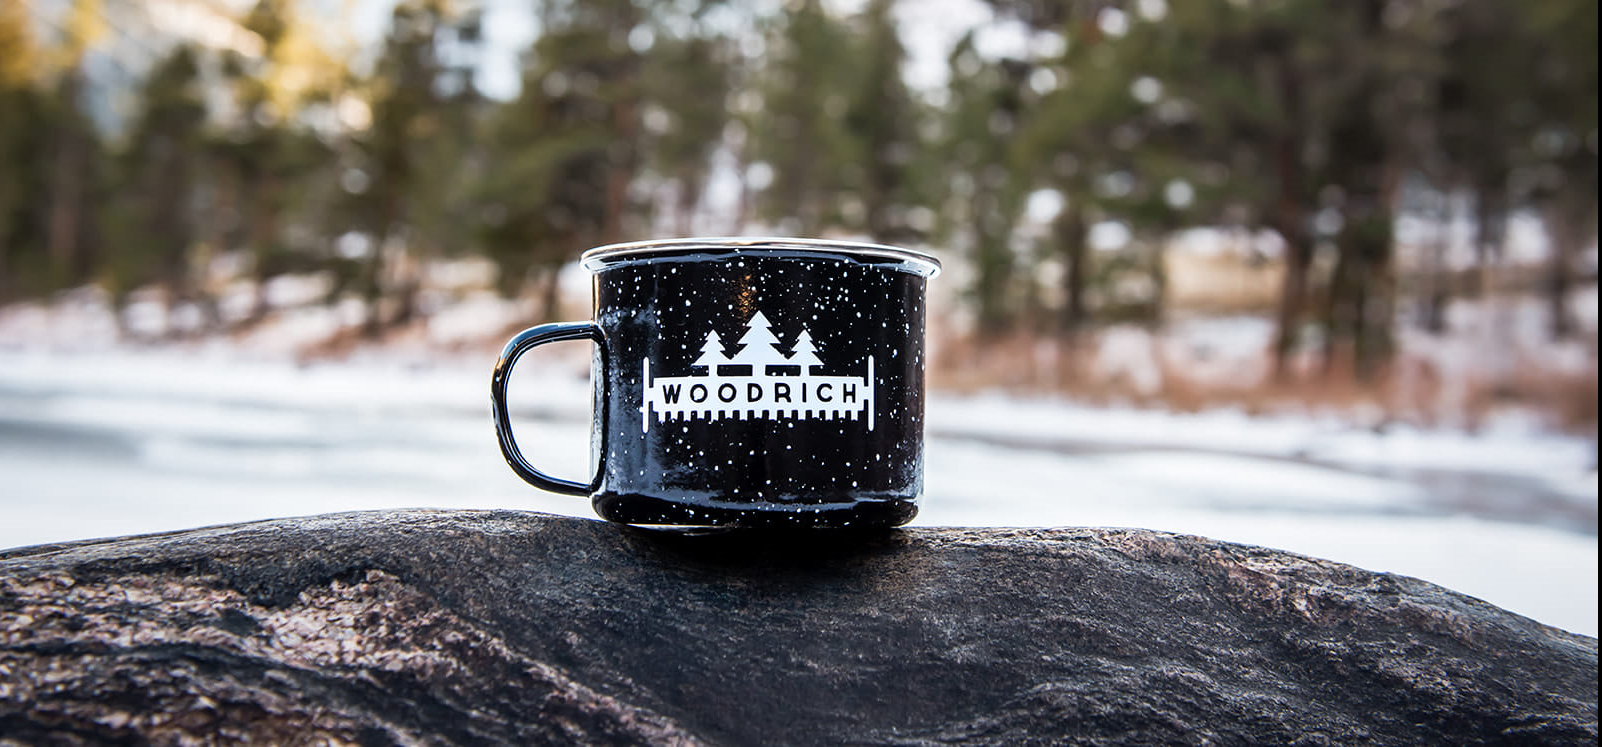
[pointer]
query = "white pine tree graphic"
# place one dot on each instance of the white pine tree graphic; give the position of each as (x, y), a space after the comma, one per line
(762, 384)
(761, 347)
(806, 353)
(711, 353)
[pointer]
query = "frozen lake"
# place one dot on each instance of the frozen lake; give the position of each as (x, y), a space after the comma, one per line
(106, 444)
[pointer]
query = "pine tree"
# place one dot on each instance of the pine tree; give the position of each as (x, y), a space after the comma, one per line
(265, 162)
(1565, 92)
(711, 353)
(982, 195)
(799, 131)
(881, 123)
(74, 150)
(151, 212)
(403, 108)
(761, 347)
(687, 82)
(25, 133)
(565, 151)
(806, 353)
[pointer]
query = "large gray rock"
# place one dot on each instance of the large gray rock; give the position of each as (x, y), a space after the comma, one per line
(460, 626)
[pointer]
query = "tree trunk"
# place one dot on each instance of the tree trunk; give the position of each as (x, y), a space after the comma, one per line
(263, 232)
(1292, 299)
(373, 285)
(66, 185)
(744, 201)
(1490, 230)
(171, 187)
(994, 272)
(624, 151)
(1564, 232)
(1070, 230)
(1377, 340)
(1435, 275)
(993, 261)
(551, 294)
(1497, 336)
(8, 284)
(689, 197)
(1290, 220)
(1337, 309)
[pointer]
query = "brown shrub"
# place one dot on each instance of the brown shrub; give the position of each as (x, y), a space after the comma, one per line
(1410, 388)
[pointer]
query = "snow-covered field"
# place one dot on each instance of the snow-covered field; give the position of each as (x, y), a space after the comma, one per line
(97, 444)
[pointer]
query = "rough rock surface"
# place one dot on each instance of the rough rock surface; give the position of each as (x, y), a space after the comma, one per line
(464, 627)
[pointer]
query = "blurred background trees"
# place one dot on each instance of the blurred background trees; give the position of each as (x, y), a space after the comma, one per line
(1353, 146)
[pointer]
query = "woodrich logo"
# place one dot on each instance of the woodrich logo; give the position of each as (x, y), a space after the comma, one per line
(759, 381)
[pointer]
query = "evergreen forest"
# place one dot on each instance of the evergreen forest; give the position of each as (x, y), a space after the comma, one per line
(142, 159)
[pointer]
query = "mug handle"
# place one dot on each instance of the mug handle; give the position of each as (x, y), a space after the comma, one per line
(515, 348)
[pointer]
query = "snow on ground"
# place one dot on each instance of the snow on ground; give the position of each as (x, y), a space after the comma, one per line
(1508, 445)
(100, 443)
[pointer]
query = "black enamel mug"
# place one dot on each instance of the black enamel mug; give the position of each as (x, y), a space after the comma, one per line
(747, 382)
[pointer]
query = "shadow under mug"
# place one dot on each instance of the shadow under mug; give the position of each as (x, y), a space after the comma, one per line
(747, 382)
